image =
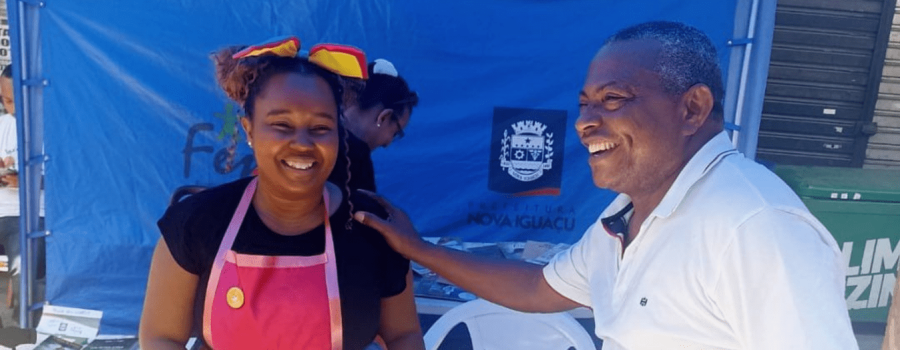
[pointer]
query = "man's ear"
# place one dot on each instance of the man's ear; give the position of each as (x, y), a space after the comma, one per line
(247, 125)
(383, 116)
(698, 104)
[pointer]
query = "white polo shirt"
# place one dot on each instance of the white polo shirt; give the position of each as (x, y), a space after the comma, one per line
(729, 259)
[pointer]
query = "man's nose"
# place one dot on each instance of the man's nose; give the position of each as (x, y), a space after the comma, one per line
(587, 119)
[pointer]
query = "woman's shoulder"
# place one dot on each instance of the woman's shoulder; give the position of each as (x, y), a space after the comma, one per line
(208, 204)
(363, 202)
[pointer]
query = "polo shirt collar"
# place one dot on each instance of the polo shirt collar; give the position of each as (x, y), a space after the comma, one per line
(705, 159)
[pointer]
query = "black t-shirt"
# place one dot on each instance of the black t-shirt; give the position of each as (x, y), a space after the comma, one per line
(362, 171)
(368, 269)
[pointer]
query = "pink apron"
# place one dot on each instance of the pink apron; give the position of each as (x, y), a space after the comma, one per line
(272, 302)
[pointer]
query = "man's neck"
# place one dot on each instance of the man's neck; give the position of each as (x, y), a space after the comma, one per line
(645, 202)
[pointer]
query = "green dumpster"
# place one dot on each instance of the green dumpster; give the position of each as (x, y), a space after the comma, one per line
(861, 208)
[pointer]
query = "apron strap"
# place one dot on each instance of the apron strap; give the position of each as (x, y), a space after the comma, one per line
(331, 283)
(219, 261)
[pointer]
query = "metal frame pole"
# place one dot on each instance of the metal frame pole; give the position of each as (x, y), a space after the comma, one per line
(24, 18)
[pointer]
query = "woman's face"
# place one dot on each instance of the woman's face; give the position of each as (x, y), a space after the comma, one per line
(294, 133)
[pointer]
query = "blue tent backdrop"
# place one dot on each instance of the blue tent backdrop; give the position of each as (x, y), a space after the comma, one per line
(131, 111)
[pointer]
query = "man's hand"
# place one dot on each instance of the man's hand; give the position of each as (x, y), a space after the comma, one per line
(515, 284)
(397, 230)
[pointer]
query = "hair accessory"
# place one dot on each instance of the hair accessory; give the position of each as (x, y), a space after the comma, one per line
(279, 46)
(343, 60)
(383, 66)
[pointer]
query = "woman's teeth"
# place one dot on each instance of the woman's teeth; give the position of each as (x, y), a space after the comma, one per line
(600, 147)
(299, 165)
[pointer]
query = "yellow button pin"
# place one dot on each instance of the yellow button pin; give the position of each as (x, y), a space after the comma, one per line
(235, 297)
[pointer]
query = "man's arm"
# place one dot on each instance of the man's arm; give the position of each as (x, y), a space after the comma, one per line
(515, 284)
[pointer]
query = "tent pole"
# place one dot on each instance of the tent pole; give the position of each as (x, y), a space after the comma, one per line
(23, 17)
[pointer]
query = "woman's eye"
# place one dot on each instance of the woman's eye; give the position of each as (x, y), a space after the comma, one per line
(281, 125)
(321, 129)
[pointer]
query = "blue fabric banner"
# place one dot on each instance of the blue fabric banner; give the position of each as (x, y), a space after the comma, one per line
(133, 112)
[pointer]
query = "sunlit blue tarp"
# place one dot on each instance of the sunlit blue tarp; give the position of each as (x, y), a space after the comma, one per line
(133, 112)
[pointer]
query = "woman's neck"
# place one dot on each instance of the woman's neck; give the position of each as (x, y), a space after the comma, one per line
(291, 216)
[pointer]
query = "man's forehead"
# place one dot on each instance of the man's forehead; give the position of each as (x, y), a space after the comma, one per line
(639, 52)
(628, 63)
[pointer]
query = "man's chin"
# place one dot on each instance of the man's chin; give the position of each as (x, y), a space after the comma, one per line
(602, 183)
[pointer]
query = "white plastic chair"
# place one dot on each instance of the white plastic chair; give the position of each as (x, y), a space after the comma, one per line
(492, 326)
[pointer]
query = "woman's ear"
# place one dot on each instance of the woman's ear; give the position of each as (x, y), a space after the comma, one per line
(383, 116)
(247, 125)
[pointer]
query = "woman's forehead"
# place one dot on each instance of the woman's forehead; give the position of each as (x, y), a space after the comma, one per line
(308, 90)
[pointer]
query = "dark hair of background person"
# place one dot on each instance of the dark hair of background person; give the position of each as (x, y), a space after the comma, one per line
(389, 91)
(688, 57)
(7, 72)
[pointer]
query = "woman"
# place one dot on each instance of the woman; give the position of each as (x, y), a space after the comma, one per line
(271, 262)
(375, 114)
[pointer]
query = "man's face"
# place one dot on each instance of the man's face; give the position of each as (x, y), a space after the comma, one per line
(630, 125)
(6, 92)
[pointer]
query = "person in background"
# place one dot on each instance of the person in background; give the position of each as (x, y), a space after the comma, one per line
(9, 182)
(702, 249)
(375, 113)
(272, 261)
(8, 139)
(9, 192)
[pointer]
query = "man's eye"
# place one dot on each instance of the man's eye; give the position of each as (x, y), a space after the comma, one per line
(613, 102)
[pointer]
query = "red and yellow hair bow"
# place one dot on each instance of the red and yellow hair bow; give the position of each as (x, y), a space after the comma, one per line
(343, 60)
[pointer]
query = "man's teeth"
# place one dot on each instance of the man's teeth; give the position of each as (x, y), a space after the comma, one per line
(299, 165)
(601, 146)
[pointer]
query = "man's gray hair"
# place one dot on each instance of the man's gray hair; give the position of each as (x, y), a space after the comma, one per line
(688, 57)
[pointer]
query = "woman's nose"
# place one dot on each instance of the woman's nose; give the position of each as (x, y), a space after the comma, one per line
(302, 139)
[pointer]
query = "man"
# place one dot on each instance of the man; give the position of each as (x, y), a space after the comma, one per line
(703, 248)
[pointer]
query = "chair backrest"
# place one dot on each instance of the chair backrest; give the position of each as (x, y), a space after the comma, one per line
(492, 326)
(184, 191)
